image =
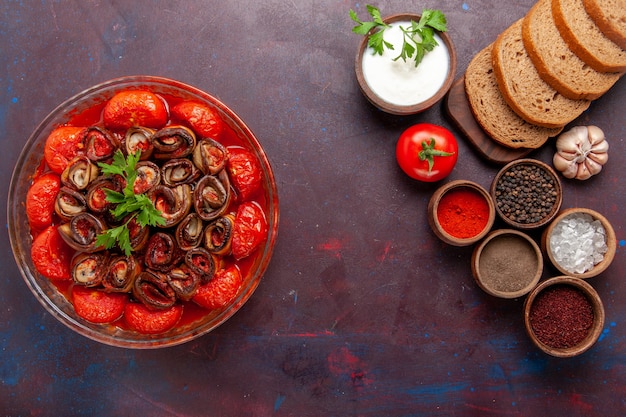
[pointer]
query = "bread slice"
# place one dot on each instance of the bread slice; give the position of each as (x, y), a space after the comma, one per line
(492, 113)
(585, 38)
(610, 17)
(526, 93)
(555, 62)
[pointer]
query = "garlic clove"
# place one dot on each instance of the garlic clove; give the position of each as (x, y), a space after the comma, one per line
(598, 158)
(582, 173)
(568, 155)
(568, 168)
(595, 134)
(600, 147)
(592, 166)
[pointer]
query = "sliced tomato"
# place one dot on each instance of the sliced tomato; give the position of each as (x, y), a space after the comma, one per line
(97, 306)
(245, 172)
(221, 290)
(143, 320)
(51, 255)
(134, 108)
(62, 145)
(249, 229)
(40, 200)
(203, 120)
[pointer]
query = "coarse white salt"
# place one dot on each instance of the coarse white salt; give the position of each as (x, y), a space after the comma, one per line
(578, 242)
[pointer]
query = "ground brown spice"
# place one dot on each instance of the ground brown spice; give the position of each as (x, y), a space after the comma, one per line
(561, 316)
(508, 263)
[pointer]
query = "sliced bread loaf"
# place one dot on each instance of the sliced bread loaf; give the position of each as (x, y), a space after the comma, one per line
(492, 113)
(610, 17)
(585, 38)
(526, 93)
(555, 62)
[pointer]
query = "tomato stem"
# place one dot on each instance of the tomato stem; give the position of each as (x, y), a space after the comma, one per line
(428, 153)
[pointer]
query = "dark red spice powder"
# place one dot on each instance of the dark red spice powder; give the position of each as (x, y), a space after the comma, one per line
(561, 316)
(463, 212)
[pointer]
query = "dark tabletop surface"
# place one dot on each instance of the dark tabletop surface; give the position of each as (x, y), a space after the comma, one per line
(362, 311)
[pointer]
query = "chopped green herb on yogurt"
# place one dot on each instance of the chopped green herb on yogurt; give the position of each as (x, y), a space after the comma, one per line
(418, 38)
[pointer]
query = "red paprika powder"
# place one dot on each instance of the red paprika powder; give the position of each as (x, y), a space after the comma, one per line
(463, 212)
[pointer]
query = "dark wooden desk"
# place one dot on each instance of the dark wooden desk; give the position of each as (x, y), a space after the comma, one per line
(362, 312)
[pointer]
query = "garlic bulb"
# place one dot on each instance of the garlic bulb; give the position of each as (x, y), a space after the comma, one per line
(581, 152)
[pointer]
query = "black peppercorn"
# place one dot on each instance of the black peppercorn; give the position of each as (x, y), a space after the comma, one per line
(526, 193)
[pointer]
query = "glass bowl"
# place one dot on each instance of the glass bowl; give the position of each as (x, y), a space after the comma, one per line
(52, 297)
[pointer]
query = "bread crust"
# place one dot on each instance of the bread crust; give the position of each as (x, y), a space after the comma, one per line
(556, 64)
(585, 38)
(525, 92)
(537, 76)
(491, 111)
(610, 17)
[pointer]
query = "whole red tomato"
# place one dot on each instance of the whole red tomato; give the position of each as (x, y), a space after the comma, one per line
(143, 320)
(98, 306)
(40, 200)
(134, 108)
(245, 172)
(199, 117)
(221, 290)
(249, 229)
(51, 255)
(427, 152)
(62, 145)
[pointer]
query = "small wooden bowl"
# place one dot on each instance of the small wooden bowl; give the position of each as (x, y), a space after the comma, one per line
(507, 264)
(596, 305)
(433, 218)
(404, 110)
(501, 198)
(611, 243)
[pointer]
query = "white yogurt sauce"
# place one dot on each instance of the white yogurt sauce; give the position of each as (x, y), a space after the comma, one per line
(401, 83)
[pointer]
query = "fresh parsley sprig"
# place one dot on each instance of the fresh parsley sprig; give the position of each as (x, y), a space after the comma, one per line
(418, 38)
(375, 39)
(127, 203)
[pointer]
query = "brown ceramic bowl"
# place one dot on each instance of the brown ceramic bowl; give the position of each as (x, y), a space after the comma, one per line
(507, 263)
(448, 236)
(512, 201)
(610, 242)
(416, 106)
(597, 322)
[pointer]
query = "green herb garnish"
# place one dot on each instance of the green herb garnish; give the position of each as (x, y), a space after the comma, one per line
(418, 39)
(127, 203)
